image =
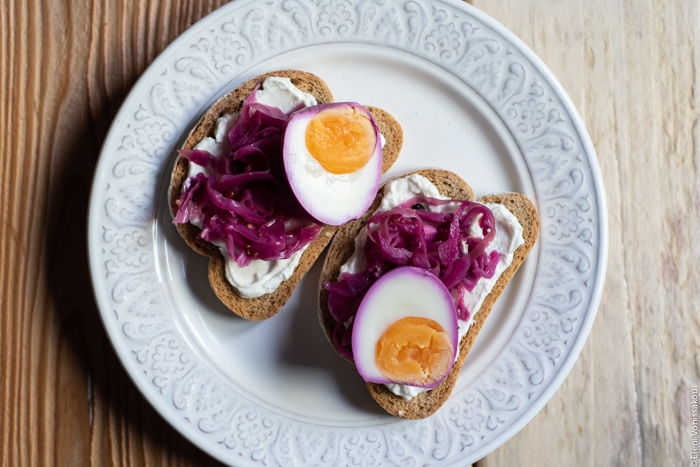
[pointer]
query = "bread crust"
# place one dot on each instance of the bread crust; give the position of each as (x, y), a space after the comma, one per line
(265, 306)
(343, 246)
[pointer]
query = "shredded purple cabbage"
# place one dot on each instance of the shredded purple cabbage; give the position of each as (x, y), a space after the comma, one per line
(246, 201)
(410, 235)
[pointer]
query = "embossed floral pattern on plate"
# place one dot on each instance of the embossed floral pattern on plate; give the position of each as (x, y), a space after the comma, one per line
(555, 149)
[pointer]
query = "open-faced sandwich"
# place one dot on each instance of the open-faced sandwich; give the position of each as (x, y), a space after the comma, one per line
(266, 176)
(406, 288)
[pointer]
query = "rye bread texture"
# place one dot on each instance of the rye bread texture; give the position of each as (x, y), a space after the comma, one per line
(343, 246)
(265, 306)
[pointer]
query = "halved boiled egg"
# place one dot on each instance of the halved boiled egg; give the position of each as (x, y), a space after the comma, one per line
(405, 330)
(332, 157)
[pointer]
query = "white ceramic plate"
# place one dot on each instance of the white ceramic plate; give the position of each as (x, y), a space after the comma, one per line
(472, 99)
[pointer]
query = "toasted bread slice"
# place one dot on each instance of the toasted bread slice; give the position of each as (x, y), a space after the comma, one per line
(266, 306)
(343, 246)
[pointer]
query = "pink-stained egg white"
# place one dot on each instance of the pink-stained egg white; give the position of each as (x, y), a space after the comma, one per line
(405, 330)
(332, 158)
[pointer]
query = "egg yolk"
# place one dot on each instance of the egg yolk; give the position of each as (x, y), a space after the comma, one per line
(414, 351)
(341, 139)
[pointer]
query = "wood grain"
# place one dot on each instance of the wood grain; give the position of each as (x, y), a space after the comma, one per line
(630, 69)
(65, 69)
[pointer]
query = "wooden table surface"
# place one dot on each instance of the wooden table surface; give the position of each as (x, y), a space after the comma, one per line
(631, 69)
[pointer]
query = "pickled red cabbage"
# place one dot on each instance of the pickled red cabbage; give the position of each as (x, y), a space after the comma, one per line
(409, 235)
(245, 200)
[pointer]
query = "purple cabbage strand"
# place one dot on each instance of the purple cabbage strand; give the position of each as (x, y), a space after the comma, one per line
(435, 241)
(245, 201)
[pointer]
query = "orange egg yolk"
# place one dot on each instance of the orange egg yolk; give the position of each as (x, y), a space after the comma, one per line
(414, 351)
(341, 139)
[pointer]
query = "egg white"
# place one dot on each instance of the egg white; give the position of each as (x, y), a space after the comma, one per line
(329, 198)
(401, 293)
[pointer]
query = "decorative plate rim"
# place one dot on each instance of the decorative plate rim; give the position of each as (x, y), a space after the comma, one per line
(457, 37)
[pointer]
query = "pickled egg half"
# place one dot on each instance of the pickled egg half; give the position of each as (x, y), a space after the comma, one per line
(405, 330)
(332, 158)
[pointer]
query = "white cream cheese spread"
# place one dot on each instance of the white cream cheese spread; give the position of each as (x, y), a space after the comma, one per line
(509, 236)
(259, 277)
(281, 93)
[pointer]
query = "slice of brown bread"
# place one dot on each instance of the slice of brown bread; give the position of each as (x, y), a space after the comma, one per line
(266, 306)
(343, 246)
(391, 130)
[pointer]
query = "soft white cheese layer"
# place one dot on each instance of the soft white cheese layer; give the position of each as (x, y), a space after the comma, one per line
(259, 277)
(281, 93)
(509, 236)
